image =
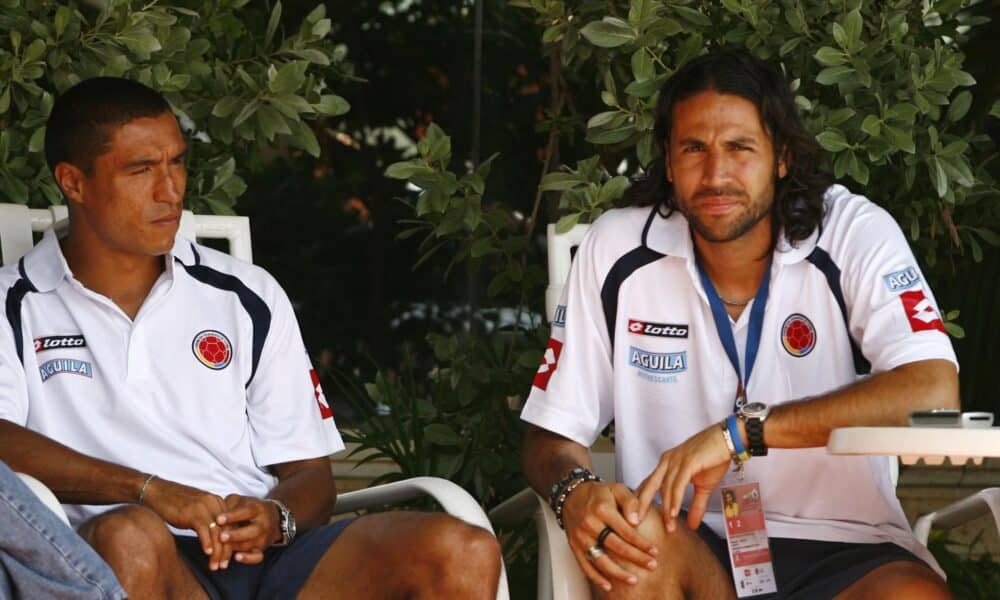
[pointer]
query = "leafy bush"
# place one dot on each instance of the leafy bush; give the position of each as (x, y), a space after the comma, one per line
(237, 81)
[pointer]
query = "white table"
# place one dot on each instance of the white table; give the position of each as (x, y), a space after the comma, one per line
(933, 444)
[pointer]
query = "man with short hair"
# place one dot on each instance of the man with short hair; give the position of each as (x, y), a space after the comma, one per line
(163, 391)
(741, 304)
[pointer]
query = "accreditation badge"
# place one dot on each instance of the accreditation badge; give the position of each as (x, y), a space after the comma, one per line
(746, 534)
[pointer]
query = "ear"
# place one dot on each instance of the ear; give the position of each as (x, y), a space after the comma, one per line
(71, 181)
(783, 164)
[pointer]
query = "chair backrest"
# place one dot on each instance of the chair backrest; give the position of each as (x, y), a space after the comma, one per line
(560, 257)
(18, 223)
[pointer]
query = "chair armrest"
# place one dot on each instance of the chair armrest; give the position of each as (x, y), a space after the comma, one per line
(45, 495)
(977, 505)
(559, 575)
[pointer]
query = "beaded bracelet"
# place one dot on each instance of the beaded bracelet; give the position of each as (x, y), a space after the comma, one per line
(562, 490)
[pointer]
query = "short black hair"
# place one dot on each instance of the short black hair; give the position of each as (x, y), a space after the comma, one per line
(798, 197)
(85, 116)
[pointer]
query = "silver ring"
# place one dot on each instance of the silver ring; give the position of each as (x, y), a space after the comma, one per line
(212, 525)
(594, 553)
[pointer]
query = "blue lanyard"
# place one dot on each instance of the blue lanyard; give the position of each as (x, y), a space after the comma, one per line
(725, 330)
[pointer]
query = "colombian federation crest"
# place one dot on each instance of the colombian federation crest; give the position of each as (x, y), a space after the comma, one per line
(798, 335)
(212, 349)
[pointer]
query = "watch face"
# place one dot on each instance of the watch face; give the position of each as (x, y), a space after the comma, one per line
(754, 409)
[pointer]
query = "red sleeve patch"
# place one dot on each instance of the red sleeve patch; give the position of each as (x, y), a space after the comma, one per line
(920, 312)
(550, 360)
(324, 407)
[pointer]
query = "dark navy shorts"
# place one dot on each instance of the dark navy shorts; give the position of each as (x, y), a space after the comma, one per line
(813, 569)
(281, 574)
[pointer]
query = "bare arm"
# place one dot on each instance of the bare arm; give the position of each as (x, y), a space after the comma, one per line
(547, 458)
(307, 488)
(73, 477)
(885, 399)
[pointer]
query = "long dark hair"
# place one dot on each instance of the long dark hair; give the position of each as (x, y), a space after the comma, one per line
(798, 197)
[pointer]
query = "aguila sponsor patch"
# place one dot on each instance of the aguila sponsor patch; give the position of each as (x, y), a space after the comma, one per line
(212, 349)
(920, 312)
(667, 330)
(658, 367)
(798, 335)
(53, 342)
(72, 366)
(550, 360)
(560, 316)
(904, 279)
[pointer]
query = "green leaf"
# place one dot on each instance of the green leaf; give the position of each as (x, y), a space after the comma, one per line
(832, 140)
(406, 169)
(830, 57)
(840, 35)
(693, 16)
(642, 65)
(271, 122)
(482, 247)
(852, 27)
(567, 222)
(608, 33)
(959, 106)
(789, 45)
(248, 110)
(303, 137)
(63, 13)
(5, 100)
(833, 75)
(226, 105)
(610, 136)
(332, 105)
(33, 52)
(37, 141)
(595, 121)
(272, 24)
(899, 138)
(289, 78)
(322, 27)
(938, 176)
(140, 41)
(954, 330)
(871, 125)
(312, 55)
(557, 182)
(994, 110)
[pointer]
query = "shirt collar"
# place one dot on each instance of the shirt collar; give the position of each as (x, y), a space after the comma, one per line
(45, 267)
(672, 236)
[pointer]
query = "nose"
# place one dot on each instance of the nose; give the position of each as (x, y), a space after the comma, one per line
(170, 186)
(715, 169)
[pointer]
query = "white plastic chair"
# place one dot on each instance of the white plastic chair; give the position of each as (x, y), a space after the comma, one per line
(559, 575)
(17, 226)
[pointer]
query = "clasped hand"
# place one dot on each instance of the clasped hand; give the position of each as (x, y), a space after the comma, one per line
(238, 527)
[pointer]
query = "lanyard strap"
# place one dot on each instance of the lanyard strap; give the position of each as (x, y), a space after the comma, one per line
(725, 330)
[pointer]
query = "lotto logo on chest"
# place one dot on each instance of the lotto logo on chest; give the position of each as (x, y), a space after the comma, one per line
(212, 349)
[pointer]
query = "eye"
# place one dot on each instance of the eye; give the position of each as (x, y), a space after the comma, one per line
(692, 148)
(141, 170)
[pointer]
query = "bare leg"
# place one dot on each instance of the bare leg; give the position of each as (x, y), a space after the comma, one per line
(686, 567)
(899, 579)
(408, 555)
(141, 551)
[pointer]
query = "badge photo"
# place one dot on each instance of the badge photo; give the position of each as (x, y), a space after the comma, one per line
(212, 349)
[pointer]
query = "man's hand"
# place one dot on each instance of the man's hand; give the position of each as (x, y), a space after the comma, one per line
(701, 460)
(251, 525)
(186, 507)
(589, 509)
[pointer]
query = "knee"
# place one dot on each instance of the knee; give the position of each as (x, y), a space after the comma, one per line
(130, 539)
(451, 546)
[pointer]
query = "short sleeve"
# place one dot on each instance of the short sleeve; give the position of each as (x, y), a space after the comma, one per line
(891, 308)
(572, 393)
(289, 416)
(13, 385)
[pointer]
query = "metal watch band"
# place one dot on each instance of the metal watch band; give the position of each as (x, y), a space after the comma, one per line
(755, 437)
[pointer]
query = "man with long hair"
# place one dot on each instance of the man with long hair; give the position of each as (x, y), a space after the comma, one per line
(741, 306)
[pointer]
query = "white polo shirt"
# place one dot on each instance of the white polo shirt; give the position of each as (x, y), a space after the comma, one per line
(637, 344)
(208, 386)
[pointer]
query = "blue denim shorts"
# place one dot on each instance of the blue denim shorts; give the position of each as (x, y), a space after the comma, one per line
(281, 574)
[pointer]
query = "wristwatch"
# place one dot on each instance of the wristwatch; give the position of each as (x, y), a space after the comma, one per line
(286, 524)
(754, 414)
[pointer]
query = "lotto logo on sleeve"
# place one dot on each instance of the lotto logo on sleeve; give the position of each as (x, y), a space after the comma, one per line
(324, 406)
(667, 330)
(903, 279)
(212, 349)
(920, 312)
(550, 360)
